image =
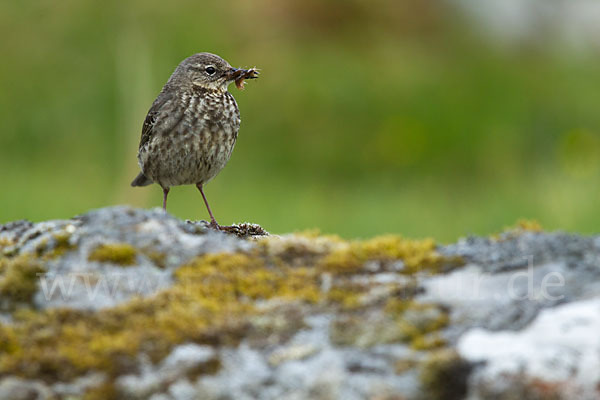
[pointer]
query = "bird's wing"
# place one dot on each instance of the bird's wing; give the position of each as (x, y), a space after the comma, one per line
(162, 109)
(147, 127)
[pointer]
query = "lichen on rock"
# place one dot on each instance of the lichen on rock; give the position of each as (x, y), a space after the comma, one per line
(117, 253)
(18, 280)
(126, 303)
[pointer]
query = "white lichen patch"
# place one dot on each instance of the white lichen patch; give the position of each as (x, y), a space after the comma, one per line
(561, 345)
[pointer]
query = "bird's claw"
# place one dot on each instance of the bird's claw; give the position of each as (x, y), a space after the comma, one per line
(214, 225)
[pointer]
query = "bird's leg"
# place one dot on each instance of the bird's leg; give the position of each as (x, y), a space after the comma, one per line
(165, 194)
(213, 221)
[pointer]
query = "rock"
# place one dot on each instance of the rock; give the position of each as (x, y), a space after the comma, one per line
(107, 256)
(558, 349)
(129, 303)
(183, 361)
(14, 388)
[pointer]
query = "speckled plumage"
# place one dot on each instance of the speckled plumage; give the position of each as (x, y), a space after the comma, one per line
(191, 143)
(192, 126)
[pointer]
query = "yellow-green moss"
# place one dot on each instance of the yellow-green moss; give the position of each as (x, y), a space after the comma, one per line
(62, 244)
(54, 246)
(522, 226)
(429, 341)
(104, 391)
(117, 253)
(347, 296)
(8, 341)
(364, 330)
(208, 367)
(420, 323)
(210, 303)
(236, 277)
(530, 225)
(4, 243)
(416, 255)
(18, 279)
(218, 299)
(403, 320)
(41, 247)
(158, 258)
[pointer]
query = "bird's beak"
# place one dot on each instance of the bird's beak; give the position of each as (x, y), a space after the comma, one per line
(235, 74)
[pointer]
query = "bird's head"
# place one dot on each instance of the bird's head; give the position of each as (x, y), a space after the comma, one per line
(209, 71)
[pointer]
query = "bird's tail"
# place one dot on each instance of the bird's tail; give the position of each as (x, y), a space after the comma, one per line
(141, 180)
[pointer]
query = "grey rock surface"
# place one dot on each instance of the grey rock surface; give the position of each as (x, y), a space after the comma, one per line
(73, 280)
(515, 316)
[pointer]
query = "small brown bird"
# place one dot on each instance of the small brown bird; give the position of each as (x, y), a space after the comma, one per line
(192, 126)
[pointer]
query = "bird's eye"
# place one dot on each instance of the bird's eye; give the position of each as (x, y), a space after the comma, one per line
(210, 70)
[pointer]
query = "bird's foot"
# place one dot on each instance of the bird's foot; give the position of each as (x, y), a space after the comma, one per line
(214, 225)
(223, 228)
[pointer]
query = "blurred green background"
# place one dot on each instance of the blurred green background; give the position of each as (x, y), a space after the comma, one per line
(370, 117)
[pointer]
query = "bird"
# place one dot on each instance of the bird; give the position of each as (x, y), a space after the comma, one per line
(192, 126)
